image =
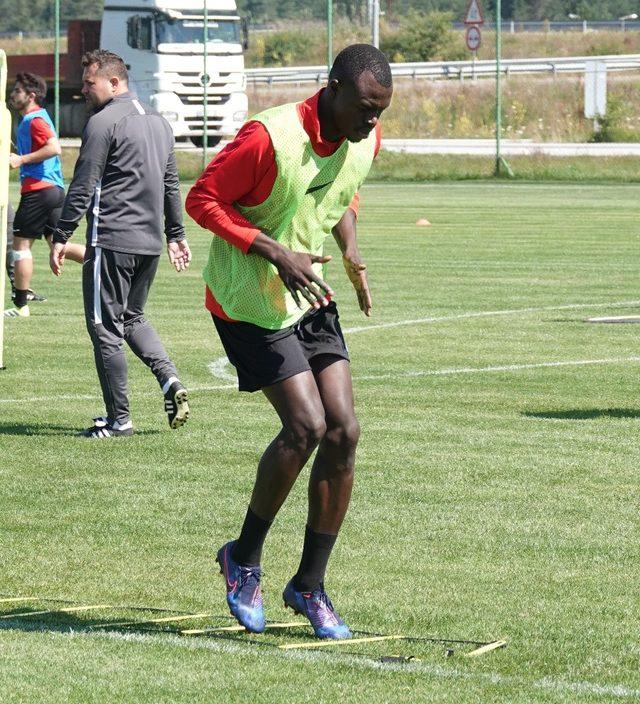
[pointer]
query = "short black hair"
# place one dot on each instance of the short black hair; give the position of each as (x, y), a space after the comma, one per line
(32, 83)
(109, 64)
(354, 60)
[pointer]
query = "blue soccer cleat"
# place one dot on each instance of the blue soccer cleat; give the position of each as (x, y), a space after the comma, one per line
(243, 590)
(317, 607)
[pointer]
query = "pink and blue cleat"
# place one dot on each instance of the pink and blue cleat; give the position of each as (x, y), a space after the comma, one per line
(243, 590)
(317, 607)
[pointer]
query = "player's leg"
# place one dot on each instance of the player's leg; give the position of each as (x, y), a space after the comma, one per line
(30, 223)
(106, 279)
(145, 343)
(330, 486)
(9, 258)
(331, 479)
(297, 402)
(23, 271)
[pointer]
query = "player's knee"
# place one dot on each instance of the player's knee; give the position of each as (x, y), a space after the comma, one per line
(17, 255)
(306, 433)
(344, 436)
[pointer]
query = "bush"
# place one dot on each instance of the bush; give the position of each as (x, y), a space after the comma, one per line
(286, 48)
(422, 37)
(618, 124)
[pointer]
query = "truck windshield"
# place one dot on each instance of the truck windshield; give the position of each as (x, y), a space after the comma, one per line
(169, 31)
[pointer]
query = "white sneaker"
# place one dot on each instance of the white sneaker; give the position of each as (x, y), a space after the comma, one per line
(22, 312)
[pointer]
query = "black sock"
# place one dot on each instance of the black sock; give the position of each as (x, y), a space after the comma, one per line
(21, 297)
(315, 556)
(248, 547)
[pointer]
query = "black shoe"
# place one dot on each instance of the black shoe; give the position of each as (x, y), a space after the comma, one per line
(103, 429)
(35, 297)
(32, 296)
(176, 405)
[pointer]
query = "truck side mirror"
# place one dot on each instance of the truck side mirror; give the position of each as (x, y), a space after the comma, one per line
(245, 32)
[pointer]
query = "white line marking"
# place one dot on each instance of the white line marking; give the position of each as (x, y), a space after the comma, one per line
(489, 313)
(504, 368)
(432, 670)
(219, 369)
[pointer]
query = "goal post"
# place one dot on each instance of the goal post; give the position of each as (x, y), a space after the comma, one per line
(5, 148)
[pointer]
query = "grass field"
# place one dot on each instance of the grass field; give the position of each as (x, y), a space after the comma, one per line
(497, 479)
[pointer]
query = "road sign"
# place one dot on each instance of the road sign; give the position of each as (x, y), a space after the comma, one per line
(595, 88)
(474, 13)
(474, 38)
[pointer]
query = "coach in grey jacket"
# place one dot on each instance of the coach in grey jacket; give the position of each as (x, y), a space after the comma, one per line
(126, 182)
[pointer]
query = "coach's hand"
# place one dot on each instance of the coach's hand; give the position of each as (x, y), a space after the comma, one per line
(179, 254)
(295, 270)
(357, 272)
(56, 258)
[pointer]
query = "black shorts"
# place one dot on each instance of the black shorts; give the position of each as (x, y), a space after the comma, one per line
(38, 213)
(264, 357)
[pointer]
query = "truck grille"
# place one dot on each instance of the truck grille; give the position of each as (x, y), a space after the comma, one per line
(190, 91)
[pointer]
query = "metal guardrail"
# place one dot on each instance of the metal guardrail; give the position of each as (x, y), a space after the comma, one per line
(577, 25)
(453, 69)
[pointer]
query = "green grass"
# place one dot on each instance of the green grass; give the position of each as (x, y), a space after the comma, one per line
(495, 503)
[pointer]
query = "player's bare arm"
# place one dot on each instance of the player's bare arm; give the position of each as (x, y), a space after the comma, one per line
(295, 270)
(51, 148)
(344, 234)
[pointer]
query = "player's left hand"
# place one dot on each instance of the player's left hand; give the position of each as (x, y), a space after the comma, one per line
(15, 161)
(357, 272)
(179, 254)
(56, 258)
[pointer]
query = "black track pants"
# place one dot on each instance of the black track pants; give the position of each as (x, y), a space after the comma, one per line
(115, 286)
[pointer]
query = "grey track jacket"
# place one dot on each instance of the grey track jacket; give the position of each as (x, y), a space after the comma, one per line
(125, 180)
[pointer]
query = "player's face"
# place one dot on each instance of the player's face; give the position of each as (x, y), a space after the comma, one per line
(358, 106)
(19, 98)
(96, 88)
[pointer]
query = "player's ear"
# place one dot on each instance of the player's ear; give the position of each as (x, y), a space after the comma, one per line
(334, 86)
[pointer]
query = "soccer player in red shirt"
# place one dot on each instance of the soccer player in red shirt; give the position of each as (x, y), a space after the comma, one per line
(289, 179)
(42, 187)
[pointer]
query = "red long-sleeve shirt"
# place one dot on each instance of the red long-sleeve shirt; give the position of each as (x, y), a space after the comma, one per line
(244, 172)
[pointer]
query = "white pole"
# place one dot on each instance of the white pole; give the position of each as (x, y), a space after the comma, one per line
(375, 24)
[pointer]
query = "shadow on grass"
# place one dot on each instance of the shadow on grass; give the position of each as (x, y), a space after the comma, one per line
(53, 429)
(100, 619)
(585, 413)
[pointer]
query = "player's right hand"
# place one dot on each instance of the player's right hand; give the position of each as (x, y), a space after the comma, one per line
(56, 258)
(297, 274)
(15, 161)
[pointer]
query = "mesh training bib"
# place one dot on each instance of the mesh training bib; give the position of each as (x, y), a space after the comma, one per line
(310, 195)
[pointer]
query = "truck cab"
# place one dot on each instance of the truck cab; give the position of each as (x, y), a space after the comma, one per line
(162, 44)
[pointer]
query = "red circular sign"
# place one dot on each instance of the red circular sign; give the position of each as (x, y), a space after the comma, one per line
(474, 38)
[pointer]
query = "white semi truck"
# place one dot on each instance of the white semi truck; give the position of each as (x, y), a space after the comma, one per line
(162, 43)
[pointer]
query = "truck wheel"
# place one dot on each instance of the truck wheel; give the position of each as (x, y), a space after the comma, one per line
(212, 141)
